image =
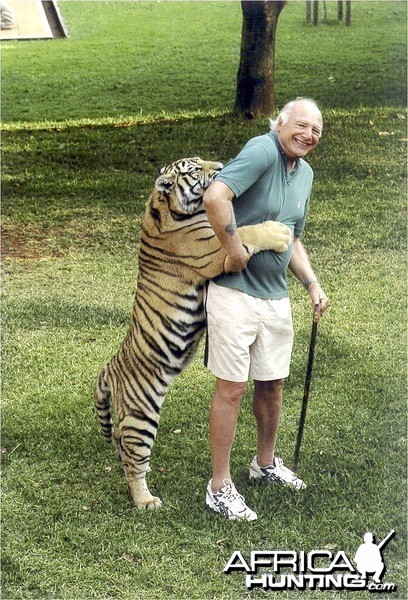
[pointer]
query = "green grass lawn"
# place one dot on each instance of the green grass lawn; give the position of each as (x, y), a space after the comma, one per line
(81, 146)
(142, 59)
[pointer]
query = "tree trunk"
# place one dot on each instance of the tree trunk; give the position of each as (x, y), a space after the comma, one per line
(255, 80)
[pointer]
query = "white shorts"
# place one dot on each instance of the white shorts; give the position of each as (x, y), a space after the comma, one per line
(247, 337)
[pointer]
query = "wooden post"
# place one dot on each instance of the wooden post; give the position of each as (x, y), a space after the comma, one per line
(348, 13)
(315, 12)
(308, 11)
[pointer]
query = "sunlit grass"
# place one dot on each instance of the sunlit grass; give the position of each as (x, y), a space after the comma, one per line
(136, 59)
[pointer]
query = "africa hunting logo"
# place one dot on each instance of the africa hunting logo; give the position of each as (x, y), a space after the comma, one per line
(316, 570)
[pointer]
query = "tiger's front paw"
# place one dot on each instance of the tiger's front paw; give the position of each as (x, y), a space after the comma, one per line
(274, 236)
(270, 235)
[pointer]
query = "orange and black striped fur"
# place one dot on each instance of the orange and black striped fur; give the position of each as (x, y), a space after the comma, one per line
(178, 253)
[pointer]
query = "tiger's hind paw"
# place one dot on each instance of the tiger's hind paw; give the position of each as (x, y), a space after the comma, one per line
(153, 504)
(142, 497)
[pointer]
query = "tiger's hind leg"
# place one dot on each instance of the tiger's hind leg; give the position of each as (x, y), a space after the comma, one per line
(135, 462)
(102, 403)
(130, 441)
(141, 495)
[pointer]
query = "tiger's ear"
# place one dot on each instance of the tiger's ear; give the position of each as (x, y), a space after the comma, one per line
(164, 183)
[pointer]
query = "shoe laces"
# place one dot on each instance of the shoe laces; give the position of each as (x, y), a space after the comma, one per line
(231, 495)
(290, 476)
(279, 467)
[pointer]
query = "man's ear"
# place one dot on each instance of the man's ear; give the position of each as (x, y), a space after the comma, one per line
(164, 183)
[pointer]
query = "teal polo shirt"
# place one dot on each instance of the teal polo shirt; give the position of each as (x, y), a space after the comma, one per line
(265, 190)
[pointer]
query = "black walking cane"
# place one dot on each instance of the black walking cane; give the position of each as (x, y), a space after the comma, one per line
(316, 318)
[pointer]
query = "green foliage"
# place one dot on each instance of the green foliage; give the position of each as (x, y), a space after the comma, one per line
(73, 195)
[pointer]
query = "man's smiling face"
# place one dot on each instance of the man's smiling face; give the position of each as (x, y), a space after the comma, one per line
(301, 131)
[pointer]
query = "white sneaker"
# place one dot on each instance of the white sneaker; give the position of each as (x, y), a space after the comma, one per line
(228, 502)
(276, 473)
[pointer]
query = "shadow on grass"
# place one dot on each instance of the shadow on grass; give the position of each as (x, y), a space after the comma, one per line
(35, 314)
(83, 187)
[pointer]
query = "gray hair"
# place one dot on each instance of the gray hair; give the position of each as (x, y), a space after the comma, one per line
(287, 109)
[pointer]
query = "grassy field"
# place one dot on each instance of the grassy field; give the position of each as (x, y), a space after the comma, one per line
(144, 59)
(85, 128)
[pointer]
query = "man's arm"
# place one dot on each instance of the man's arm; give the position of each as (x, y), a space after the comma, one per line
(302, 269)
(218, 205)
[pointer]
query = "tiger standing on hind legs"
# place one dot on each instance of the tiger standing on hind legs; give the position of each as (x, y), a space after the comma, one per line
(178, 253)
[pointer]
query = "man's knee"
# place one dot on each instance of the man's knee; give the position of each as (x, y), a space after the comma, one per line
(268, 388)
(230, 391)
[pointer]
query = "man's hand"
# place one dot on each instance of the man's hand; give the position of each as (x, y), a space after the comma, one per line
(319, 300)
(237, 262)
(218, 205)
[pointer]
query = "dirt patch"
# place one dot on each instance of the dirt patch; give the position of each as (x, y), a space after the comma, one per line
(15, 244)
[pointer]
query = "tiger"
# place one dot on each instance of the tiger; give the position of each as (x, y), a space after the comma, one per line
(178, 253)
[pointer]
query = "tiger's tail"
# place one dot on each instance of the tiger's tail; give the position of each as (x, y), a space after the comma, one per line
(102, 401)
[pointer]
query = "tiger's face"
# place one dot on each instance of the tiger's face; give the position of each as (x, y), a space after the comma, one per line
(185, 181)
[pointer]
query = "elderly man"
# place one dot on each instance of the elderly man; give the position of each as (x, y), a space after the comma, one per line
(249, 320)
